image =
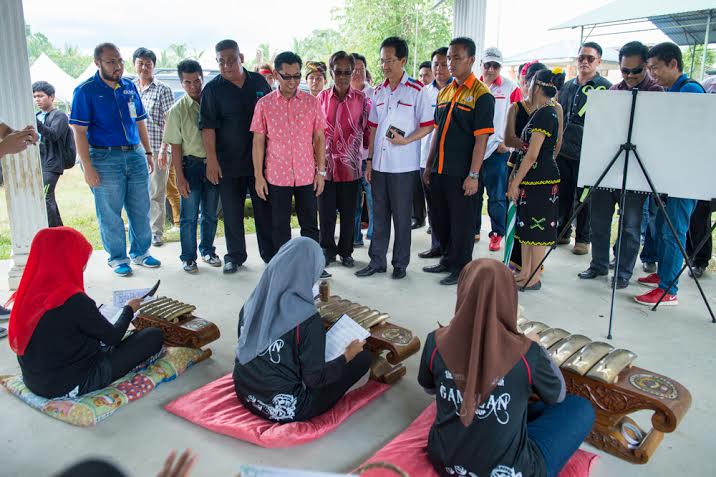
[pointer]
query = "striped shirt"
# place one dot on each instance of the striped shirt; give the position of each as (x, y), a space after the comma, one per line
(157, 99)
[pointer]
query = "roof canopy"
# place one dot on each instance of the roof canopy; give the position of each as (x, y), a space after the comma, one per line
(684, 22)
(560, 52)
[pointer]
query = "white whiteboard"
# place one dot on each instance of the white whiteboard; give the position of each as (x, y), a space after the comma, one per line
(674, 134)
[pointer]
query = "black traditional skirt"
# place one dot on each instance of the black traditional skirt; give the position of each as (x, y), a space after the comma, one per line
(537, 214)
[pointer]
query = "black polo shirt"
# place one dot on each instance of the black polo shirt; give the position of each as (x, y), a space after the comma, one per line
(228, 110)
(462, 113)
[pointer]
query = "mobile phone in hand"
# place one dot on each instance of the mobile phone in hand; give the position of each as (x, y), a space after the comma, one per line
(392, 131)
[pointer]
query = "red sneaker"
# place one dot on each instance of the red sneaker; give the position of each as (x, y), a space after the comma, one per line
(650, 298)
(495, 242)
(650, 280)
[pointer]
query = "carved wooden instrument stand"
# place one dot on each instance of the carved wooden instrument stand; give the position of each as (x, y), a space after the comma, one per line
(175, 319)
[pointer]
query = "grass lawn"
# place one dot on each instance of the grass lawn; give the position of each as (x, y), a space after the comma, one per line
(76, 205)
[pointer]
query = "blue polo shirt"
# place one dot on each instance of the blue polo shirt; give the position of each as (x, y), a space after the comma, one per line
(107, 112)
(681, 86)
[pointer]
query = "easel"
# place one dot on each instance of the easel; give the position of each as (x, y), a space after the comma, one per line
(627, 148)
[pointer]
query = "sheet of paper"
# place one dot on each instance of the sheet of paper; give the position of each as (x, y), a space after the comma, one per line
(121, 297)
(260, 471)
(341, 334)
(110, 312)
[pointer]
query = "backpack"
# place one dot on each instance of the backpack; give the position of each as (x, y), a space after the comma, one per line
(68, 150)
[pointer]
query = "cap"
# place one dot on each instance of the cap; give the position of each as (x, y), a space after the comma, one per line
(492, 55)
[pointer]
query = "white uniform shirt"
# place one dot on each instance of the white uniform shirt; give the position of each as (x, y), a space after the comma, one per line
(407, 108)
(432, 91)
(505, 93)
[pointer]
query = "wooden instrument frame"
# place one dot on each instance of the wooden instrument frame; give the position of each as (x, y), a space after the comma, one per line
(188, 331)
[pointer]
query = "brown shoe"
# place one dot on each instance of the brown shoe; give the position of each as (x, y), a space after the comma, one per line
(477, 237)
(580, 248)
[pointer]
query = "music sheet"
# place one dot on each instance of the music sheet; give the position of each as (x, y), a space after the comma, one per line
(341, 334)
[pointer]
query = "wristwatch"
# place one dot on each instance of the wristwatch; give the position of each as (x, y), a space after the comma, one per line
(149, 153)
(474, 175)
(321, 173)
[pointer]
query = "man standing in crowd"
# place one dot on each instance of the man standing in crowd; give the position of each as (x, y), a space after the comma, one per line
(346, 111)
(289, 151)
(359, 83)
(493, 175)
(667, 68)
(108, 120)
(55, 139)
(401, 115)
(573, 98)
(157, 99)
(441, 79)
(632, 62)
(189, 160)
(464, 121)
(226, 111)
(425, 76)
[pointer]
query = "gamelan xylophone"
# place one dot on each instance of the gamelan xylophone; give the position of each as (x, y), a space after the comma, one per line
(399, 343)
(616, 389)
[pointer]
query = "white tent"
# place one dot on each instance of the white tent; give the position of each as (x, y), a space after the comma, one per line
(44, 69)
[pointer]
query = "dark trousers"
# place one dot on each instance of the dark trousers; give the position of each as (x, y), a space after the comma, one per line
(419, 201)
(559, 429)
(699, 228)
(119, 360)
(340, 196)
(392, 199)
(49, 180)
(204, 197)
(603, 202)
(92, 468)
(306, 211)
(434, 242)
(453, 220)
(323, 399)
(233, 200)
(569, 194)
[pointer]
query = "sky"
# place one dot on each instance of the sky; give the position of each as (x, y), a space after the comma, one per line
(513, 25)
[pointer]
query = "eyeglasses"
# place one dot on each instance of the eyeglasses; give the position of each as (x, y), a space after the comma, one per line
(119, 62)
(588, 58)
(289, 77)
(342, 72)
(633, 71)
(491, 66)
(388, 62)
(229, 62)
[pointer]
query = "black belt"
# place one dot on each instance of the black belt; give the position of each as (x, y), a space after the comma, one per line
(117, 148)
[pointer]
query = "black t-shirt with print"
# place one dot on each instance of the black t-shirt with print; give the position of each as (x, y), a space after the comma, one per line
(544, 170)
(496, 443)
(279, 383)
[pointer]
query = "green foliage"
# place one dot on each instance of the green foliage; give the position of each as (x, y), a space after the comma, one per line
(170, 57)
(68, 58)
(689, 54)
(319, 45)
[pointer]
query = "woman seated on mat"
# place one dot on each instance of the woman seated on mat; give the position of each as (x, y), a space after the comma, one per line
(63, 343)
(483, 372)
(280, 371)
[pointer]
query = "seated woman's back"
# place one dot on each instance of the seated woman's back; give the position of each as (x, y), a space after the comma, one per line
(497, 437)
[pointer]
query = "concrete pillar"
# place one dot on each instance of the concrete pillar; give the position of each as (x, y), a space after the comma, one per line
(22, 172)
(469, 20)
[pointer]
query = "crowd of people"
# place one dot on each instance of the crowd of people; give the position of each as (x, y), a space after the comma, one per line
(444, 139)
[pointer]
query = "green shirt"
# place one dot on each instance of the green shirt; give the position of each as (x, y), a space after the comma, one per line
(183, 127)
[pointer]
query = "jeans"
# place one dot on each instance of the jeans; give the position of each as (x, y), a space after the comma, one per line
(603, 202)
(648, 232)
(124, 183)
(204, 196)
(493, 176)
(364, 186)
(559, 429)
(670, 258)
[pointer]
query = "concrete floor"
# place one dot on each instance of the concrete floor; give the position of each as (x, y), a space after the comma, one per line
(677, 342)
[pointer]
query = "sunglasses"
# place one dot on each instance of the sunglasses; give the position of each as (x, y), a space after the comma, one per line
(289, 77)
(633, 71)
(342, 72)
(588, 58)
(491, 65)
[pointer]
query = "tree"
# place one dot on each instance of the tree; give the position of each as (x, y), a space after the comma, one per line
(69, 58)
(318, 45)
(697, 56)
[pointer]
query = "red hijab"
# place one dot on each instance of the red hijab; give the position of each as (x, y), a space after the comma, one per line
(53, 273)
(482, 344)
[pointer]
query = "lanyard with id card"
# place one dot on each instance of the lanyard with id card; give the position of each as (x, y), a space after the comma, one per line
(132, 109)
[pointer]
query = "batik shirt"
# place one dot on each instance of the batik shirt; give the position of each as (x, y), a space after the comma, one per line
(496, 443)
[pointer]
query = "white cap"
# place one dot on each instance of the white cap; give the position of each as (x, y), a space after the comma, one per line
(492, 55)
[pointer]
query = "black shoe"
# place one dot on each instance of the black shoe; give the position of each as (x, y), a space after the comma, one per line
(429, 231)
(325, 274)
(534, 287)
(698, 271)
(348, 261)
(432, 253)
(649, 267)
(368, 271)
(622, 283)
(230, 267)
(590, 273)
(189, 266)
(439, 268)
(416, 224)
(613, 264)
(329, 258)
(398, 273)
(450, 279)
(564, 240)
